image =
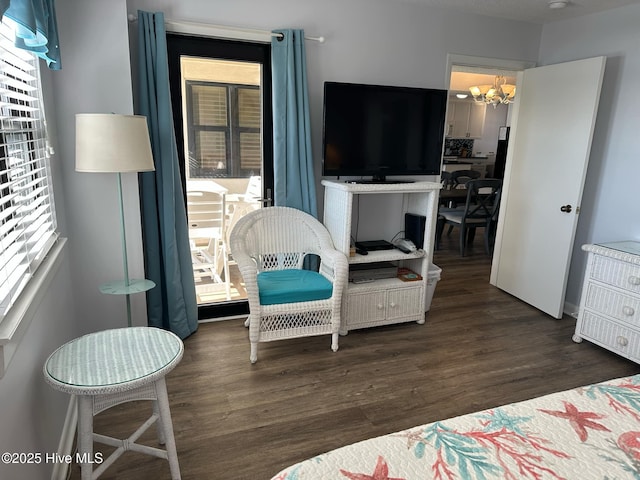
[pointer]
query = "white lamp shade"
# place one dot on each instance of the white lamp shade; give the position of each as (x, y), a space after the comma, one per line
(106, 142)
(509, 90)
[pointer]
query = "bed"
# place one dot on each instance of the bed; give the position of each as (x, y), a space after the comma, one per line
(591, 432)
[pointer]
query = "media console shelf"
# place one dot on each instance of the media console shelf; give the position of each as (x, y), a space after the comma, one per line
(391, 300)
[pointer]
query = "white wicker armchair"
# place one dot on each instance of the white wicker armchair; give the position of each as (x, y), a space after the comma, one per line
(278, 239)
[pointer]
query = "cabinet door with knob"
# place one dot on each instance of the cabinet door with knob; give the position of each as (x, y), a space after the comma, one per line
(370, 306)
(475, 127)
(609, 313)
(466, 119)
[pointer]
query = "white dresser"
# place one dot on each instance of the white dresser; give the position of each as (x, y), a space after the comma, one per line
(609, 313)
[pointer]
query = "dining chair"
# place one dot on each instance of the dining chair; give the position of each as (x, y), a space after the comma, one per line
(460, 177)
(445, 179)
(480, 210)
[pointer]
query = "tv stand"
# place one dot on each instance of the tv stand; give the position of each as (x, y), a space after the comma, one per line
(389, 300)
(373, 181)
(378, 179)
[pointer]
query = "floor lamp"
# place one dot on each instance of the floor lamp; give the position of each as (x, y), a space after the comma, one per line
(110, 143)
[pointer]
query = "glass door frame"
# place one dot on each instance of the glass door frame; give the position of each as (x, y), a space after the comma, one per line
(215, 48)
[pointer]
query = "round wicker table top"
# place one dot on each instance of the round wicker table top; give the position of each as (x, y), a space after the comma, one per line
(113, 361)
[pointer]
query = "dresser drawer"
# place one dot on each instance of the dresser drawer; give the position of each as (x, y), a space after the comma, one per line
(614, 272)
(612, 303)
(610, 335)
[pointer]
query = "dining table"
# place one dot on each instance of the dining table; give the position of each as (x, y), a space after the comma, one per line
(452, 196)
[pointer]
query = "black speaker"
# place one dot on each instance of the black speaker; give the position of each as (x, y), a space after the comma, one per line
(414, 228)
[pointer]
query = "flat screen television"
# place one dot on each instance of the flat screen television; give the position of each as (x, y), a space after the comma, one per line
(375, 130)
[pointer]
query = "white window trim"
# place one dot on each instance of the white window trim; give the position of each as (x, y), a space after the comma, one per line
(25, 287)
(19, 317)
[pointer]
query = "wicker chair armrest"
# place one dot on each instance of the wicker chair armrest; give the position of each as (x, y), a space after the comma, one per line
(249, 271)
(334, 265)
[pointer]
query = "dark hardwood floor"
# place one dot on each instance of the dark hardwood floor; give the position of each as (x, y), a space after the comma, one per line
(479, 348)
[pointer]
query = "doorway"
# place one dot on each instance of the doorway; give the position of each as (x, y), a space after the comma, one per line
(472, 133)
(527, 262)
(221, 102)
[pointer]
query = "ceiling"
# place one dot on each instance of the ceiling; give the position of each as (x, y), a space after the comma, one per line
(461, 81)
(534, 11)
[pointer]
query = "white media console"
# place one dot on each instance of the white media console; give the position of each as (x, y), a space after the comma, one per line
(390, 300)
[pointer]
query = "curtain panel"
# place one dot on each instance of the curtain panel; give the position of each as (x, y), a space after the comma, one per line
(172, 304)
(294, 179)
(36, 28)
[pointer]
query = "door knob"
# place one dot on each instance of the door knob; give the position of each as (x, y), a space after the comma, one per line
(565, 208)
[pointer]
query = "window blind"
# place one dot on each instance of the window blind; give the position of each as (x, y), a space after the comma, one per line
(27, 213)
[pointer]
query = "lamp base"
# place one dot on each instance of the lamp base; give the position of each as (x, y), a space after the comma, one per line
(120, 287)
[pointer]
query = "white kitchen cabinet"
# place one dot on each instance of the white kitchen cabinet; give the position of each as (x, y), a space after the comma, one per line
(465, 119)
(389, 300)
(451, 115)
(476, 120)
(609, 313)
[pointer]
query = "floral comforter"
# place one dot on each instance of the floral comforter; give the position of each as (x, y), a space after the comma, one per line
(590, 432)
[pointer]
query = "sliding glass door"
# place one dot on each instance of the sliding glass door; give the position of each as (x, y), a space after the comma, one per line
(221, 95)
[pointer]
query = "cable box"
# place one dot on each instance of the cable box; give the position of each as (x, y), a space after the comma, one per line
(372, 271)
(373, 245)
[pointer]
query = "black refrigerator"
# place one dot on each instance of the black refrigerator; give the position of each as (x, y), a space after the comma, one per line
(501, 152)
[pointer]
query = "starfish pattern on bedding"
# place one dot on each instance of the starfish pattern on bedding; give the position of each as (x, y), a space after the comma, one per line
(380, 473)
(579, 420)
(494, 420)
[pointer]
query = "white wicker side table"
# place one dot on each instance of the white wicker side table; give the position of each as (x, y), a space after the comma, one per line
(111, 367)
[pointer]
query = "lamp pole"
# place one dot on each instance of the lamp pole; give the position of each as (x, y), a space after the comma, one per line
(116, 144)
(125, 260)
(127, 286)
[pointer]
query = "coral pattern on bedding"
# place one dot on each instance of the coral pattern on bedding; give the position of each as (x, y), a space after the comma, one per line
(590, 432)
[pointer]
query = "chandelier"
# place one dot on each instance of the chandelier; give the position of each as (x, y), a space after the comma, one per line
(499, 92)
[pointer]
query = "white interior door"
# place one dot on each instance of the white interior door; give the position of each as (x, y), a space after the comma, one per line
(546, 166)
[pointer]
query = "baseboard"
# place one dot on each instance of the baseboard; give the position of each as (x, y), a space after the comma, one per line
(570, 309)
(65, 447)
(220, 319)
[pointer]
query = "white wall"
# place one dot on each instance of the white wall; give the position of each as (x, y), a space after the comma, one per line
(96, 78)
(33, 413)
(401, 43)
(609, 209)
(493, 120)
(372, 41)
(367, 41)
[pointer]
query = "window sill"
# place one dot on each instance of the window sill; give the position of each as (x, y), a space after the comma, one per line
(16, 322)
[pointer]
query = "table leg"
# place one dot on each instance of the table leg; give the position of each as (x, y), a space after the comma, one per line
(167, 426)
(85, 435)
(159, 422)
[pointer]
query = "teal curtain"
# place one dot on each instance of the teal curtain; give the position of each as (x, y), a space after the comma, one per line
(294, 181)
(172, 303)
(36, 28)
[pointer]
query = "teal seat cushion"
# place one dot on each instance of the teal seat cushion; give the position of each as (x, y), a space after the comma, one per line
(291, 286)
